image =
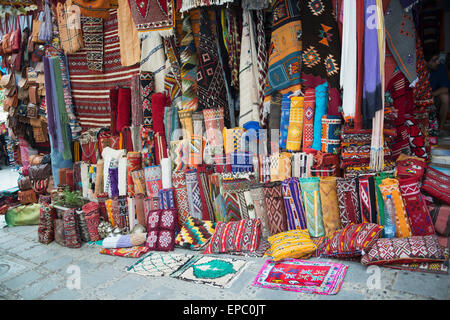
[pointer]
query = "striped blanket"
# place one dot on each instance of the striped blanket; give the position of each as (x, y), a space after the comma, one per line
(90, 91)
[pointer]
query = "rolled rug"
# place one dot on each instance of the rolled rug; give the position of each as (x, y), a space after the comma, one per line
(321, 93)
(295, 129)
(123, 109)
(124, 241)
(134, 163)
(331, 134)
(276, 213)
(284, 121)
(139, 209)
(122, 176)
(293, 204)
(166, 173)
(313, 207)
(99, 178)
(131, 212)
(308, 118)
(330, 207)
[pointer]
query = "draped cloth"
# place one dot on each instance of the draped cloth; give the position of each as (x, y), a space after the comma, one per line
(284, 63)
(211, 89)
(295, 130)
(293, 204)
(391, 186)
(130, 51)
(349, 64)
(93, 37)
(321, 56)
(189, 62)
(330, 207)
(249, 102)
(153, 58)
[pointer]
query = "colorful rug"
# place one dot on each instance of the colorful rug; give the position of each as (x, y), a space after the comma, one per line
(325, 278)
(212, 271)
(133, 252)
(90, 92)
(159, 264)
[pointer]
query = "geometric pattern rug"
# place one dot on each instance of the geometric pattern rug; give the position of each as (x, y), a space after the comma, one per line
(325, 278)
(156, 264)
(210, 270)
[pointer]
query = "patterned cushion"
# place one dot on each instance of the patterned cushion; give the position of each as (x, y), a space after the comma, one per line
(404, 250)
(195, 233)
(352, 240)
(161, 229)
(290, 244)
(235, 236)
(410, 167)
(437, 184)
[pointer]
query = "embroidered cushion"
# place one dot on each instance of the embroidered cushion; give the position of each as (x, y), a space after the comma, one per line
(290, 244)
(235, 236)
(404, 250)
(195, 233)
(437, 184)
(410, 167)
(161, 229)
(352, 241)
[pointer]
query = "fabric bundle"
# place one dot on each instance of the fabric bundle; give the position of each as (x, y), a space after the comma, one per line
(416, 208)
(124, 241)
(348, 199)
(313, 207)
(321, 96)
(131, 213)
(113, 174)
(330, 206)
(134, 160)
(293, 204)
(321, 54)
(276, 212)
(331, 134)
(391, 187)
(123, 108)
(122, 176)
(84, 233)
(295, 130)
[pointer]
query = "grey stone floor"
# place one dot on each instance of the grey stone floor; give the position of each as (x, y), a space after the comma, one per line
(30, 270)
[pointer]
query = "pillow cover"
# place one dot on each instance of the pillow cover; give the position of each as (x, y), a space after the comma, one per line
(235, 236)
(404, 250)
(410, 167)
(290, 244)
(195, 233)
(161, 229)
(352, 241)
(437, 184)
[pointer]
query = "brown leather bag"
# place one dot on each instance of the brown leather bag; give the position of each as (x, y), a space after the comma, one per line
(32, 111)
(33, 93)
(27, 196)
(10, 102)
(15, 40)
(6, 44)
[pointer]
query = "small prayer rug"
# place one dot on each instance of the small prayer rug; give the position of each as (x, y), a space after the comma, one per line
(324, 278)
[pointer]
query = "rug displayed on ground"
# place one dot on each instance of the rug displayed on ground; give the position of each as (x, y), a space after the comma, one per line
(157, 264)
(324, 278)
(209, 270)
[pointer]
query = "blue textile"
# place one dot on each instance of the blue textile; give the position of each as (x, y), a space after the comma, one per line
(321, 110)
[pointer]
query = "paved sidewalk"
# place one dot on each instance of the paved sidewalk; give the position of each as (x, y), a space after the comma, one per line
(30, 270)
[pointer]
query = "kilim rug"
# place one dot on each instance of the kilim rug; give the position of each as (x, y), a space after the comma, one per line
(212, 271)
(159, 264)
(90, 92)
(325, 278)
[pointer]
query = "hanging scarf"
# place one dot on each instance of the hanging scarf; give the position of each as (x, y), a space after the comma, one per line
(49, 100)
(211, 90)
(153, 58)
(284, 71)
(349, 60)
(321, 49)
(360, 21)
(401, 39)
(248, 73)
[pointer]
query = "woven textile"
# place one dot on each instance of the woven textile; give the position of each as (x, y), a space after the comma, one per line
(153, 15)
(321, 96)
(166, 199)
(216, 272)
(195, 233)
(325, 278)
(161, 228)
(331, 134)
(290, 244)
(189, 61)
(257, 195)
(416, 208)
(391, 186)
(348, 199)
(46, 228)
(71, 231)
(147, 80)
(153, 180)
(194, 196)
(313, 208)
(84, 233)
(284, 62)
(330, 206)
(404, 250)
(308, 118)
(90, 93)
(238, 236)
(153, 58)
(92, 216)
(276, 212)
(130, 51)
(214, 125)
(352, 241)
(234, 199)
(157, 264)
(321, 55)
(293, 204)
(133, 163)
(424, 267)
(295, 131)
(70, 36)
(367, 199)
(437, 184)
(132, 252)
(93, 38)
(181, 196)
(203, 173)
(284, 120)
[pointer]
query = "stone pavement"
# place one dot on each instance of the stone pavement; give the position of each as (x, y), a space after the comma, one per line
(30, 270)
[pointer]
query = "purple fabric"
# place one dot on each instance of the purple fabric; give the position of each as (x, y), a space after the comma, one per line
(124, 242)
(114, 181)
(49, 101)
(56, 119)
